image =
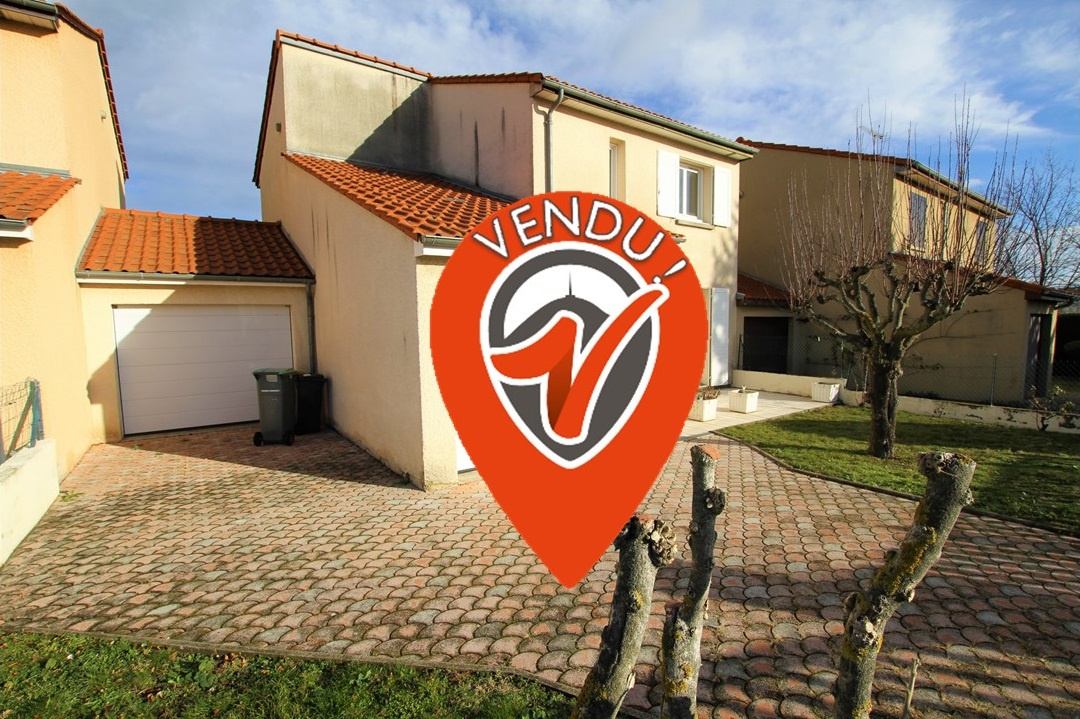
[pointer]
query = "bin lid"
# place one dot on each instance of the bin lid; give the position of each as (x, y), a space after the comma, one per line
(271, 370)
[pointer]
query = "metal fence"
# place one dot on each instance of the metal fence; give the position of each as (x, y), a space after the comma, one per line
(20, 416)
(986, 379)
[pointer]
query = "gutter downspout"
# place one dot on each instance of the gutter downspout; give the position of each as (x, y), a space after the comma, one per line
(547, 139)
(312, 355)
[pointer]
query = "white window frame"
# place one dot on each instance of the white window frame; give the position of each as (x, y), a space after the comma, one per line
(692, 199)
(714, 190)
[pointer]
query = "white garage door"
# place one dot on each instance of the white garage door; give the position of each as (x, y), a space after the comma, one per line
(190, 366)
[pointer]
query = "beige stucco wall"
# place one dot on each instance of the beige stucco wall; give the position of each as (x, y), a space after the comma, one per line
(481, 135)
(440, 440)
(580, 145)
(345, 109)
(961, 353)
(366, 326)
(53, 95)
(98, 301)
(41, 332)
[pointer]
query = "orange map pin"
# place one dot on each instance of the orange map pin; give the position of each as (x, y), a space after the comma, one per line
(567, 335)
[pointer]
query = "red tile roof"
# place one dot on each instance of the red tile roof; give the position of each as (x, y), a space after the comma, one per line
(158, 243)
(758, 292)
(28, 195)
(415, 203)
(98, 36)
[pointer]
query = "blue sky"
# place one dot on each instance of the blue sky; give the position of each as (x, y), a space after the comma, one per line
(190, 76)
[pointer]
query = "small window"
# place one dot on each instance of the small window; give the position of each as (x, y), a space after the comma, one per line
(615, 169)
(691, 186)
(918, 220)
(982, 251)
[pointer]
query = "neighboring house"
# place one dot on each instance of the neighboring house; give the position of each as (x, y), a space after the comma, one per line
(996, 348)
(376, 171)
(131, 321)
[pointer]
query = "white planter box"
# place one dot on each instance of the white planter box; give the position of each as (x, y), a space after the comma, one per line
(703, 410)
(744, 402)
(826, 391)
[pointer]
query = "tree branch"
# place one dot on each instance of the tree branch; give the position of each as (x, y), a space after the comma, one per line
(680, 659)
(948, 490)
(644, 545)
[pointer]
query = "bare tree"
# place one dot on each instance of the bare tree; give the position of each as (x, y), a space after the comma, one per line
(887, 248)
(1044, 246)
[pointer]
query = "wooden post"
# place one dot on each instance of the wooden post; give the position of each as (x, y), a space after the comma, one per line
(680, 659)
(644, 545)
(948, 490)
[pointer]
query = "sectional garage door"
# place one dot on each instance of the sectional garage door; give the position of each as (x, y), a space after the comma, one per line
(190, 365)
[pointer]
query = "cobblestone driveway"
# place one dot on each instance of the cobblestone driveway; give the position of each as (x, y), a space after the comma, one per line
(207, 539)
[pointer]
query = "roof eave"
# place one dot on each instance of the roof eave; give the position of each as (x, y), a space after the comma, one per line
(913, 167)
(112, 276)
(726, 147)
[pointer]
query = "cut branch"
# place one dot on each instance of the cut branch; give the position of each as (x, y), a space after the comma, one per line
(948, 490)
(644, 546)
(680, 659)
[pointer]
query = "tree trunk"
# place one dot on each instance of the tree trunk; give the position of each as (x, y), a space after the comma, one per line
(885, 373)
(680, 660)
(948, 490)
(644, 545)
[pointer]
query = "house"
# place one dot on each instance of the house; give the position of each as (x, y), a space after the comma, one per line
(376, 170)
(995, 349)
(131, 321)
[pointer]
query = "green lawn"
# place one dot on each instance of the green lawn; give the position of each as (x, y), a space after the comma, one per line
(1022, 473)
(77, 676)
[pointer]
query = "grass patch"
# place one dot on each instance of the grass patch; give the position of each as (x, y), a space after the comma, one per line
(78, 676)
(1022, 473)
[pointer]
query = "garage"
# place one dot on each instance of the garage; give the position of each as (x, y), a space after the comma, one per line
(191, 366)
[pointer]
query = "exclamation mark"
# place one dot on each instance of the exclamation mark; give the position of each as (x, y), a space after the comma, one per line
(674, 268)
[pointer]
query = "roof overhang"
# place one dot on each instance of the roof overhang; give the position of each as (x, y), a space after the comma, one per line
(31, 12)
(918, 174)
(598, 106)
(18, 230)
(435, 246)
(105, 277)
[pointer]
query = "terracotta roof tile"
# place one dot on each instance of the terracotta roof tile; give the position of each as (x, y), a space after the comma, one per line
(159, 243)
(414, 203)
(758, 292)
(28, 195)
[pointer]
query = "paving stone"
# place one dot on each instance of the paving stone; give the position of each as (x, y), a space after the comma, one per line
(205, 548)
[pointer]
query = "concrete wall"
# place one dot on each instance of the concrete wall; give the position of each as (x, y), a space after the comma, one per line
(53, 95)
(799, 385)
(958, 357)
(366, 314)
(98, 301)
(338, 107)
(1002, 416)
(481, 135)
(28, 486)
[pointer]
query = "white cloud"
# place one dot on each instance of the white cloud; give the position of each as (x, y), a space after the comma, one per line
(190, 76)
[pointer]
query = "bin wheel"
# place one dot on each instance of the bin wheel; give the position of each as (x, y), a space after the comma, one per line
(257, 439)
(289, 439)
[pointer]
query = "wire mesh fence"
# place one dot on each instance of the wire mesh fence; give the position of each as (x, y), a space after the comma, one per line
(985, 379)
(20, 416)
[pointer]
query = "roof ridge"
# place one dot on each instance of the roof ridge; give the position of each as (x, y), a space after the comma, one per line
(346, 51)
(175, 215)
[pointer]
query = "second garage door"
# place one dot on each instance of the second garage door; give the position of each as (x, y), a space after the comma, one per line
(190, 366)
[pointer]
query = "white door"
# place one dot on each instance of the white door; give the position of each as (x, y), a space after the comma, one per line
(191, 366)
(718, 350)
